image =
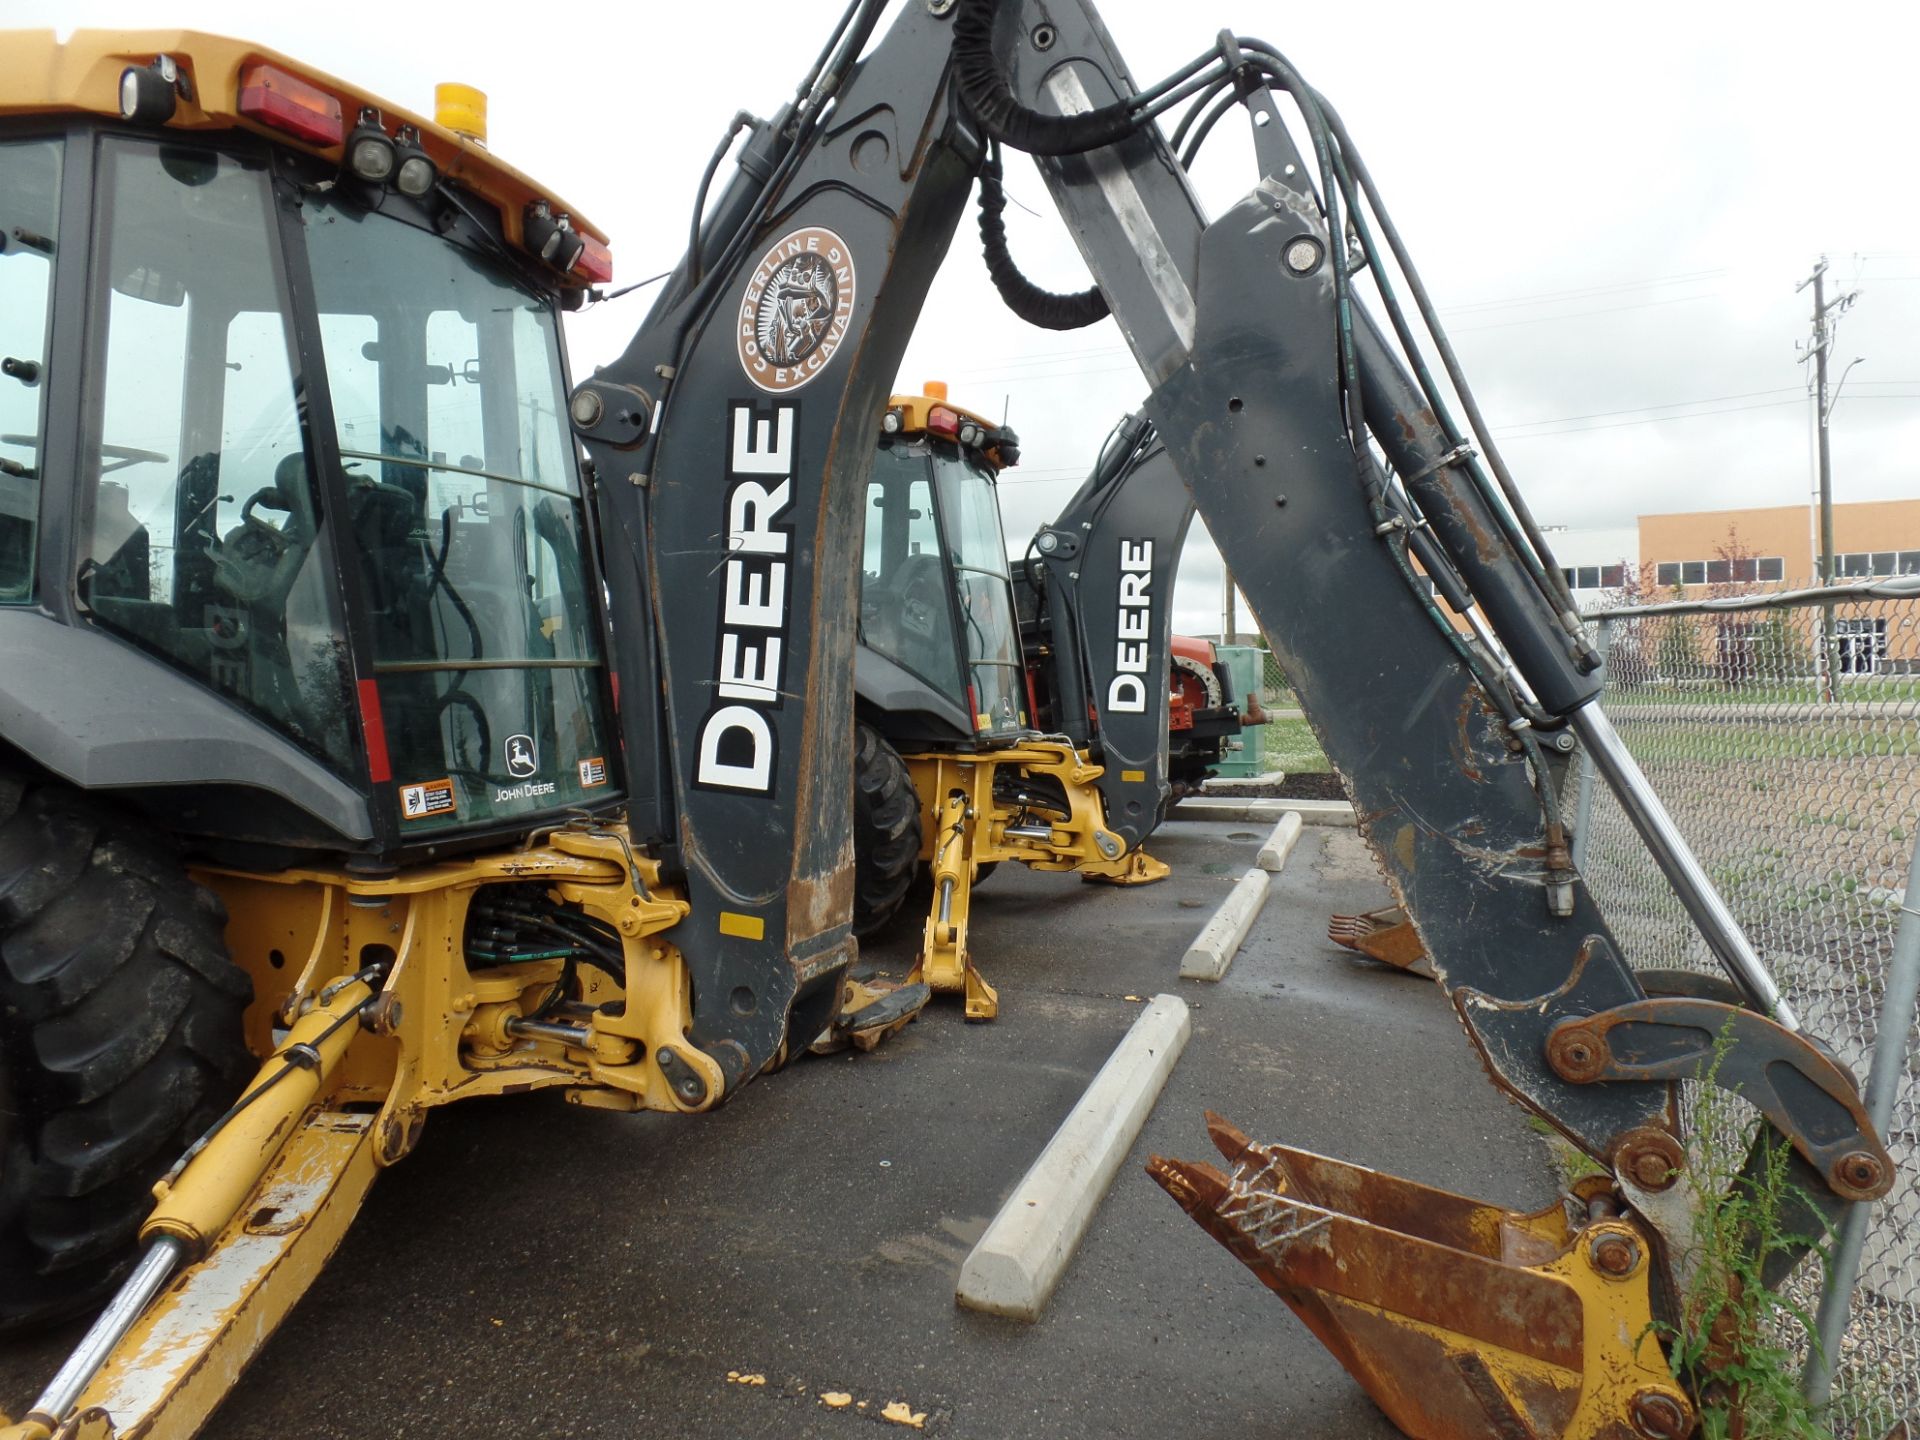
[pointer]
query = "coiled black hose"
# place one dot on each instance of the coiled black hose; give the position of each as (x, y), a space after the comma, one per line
(1004, 118)
(1045, 308)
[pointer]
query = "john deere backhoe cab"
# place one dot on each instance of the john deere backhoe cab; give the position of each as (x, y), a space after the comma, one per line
(291, 572)
(949, 770)
(298, 589)
(288, 480)
(940, 646)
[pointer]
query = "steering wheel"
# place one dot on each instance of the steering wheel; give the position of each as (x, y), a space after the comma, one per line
(129, 455)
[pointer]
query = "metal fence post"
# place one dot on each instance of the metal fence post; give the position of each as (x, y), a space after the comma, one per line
(1583, 805)
(1883, 1087)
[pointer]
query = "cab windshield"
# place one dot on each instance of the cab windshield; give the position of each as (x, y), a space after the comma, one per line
(455, 531)
(935, 594)
(206, 542)
(464, 501)
(983, 589)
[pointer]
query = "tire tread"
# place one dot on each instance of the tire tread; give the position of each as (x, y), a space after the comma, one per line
(120, 1039)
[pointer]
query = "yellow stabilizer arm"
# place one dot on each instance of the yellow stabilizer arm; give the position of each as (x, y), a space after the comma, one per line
(260, 1206)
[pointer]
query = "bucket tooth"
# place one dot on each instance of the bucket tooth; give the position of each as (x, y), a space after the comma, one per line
(1460, 1319)
(1384, 935)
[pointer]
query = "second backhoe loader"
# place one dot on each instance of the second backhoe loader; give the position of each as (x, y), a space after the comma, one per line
(947, 695)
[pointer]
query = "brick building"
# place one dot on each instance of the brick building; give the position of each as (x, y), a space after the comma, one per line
(1779, 545)
(1698, 554)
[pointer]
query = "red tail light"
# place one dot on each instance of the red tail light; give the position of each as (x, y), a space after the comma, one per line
(942, 421)
(374, 726)
(286, 102)
(595, 264)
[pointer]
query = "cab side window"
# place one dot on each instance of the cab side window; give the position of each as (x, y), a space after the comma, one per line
(29, 205)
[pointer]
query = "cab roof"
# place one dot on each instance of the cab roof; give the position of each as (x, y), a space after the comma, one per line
(914, 410)
(41, 74)
(911, 415)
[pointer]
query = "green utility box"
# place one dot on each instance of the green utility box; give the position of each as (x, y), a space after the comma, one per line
(1247, 665)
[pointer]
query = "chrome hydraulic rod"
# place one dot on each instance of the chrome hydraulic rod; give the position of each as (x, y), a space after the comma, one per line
(577, 1036)
(156, 1266)
(1696, 892)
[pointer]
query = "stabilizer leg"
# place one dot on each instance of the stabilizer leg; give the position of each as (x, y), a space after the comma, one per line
(945, 963)
(1135, 868)
(252, 1216)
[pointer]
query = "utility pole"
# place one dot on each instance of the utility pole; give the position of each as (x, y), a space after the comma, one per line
(1825, 315)
(1226, 603)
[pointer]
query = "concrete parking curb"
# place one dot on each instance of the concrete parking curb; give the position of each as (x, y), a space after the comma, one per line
(1311, 812)
(1273, 854)
(1322, 812)
(1213, 950)
(1019, 1261)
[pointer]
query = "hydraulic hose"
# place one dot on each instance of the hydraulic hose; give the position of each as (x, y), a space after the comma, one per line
(1045, 308)
(1004, 118)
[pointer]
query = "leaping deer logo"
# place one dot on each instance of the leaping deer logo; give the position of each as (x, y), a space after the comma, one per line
(522, 759)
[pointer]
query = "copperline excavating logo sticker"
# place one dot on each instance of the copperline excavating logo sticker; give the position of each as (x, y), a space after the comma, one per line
(797, 309)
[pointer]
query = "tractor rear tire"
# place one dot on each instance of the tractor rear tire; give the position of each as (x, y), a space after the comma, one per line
(120, 1040)
(886, 831)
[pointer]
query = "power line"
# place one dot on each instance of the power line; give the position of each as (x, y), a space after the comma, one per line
(1583, 314)
(1660, 419)
(1637, 409)
(1692, 278)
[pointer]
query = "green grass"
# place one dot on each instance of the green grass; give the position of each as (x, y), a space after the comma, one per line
(1773, 692)
(1289, 745)
(1810, 741)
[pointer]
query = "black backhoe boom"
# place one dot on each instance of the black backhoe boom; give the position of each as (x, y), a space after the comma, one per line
(732, 443)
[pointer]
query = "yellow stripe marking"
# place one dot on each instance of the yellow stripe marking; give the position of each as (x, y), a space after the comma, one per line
(747, 927)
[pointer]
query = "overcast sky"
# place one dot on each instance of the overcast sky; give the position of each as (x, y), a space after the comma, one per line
(1612, 208)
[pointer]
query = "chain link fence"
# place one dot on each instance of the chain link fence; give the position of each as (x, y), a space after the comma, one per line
(1287, 742)
(1783, 733)
(1276, 691)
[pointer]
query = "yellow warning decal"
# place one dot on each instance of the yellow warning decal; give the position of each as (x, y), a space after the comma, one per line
(1134, 777)
(747, 927)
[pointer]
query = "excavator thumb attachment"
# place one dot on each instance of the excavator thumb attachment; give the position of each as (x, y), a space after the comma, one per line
(1459, 1319)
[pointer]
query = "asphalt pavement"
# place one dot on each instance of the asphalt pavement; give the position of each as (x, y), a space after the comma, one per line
(535, 1269)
